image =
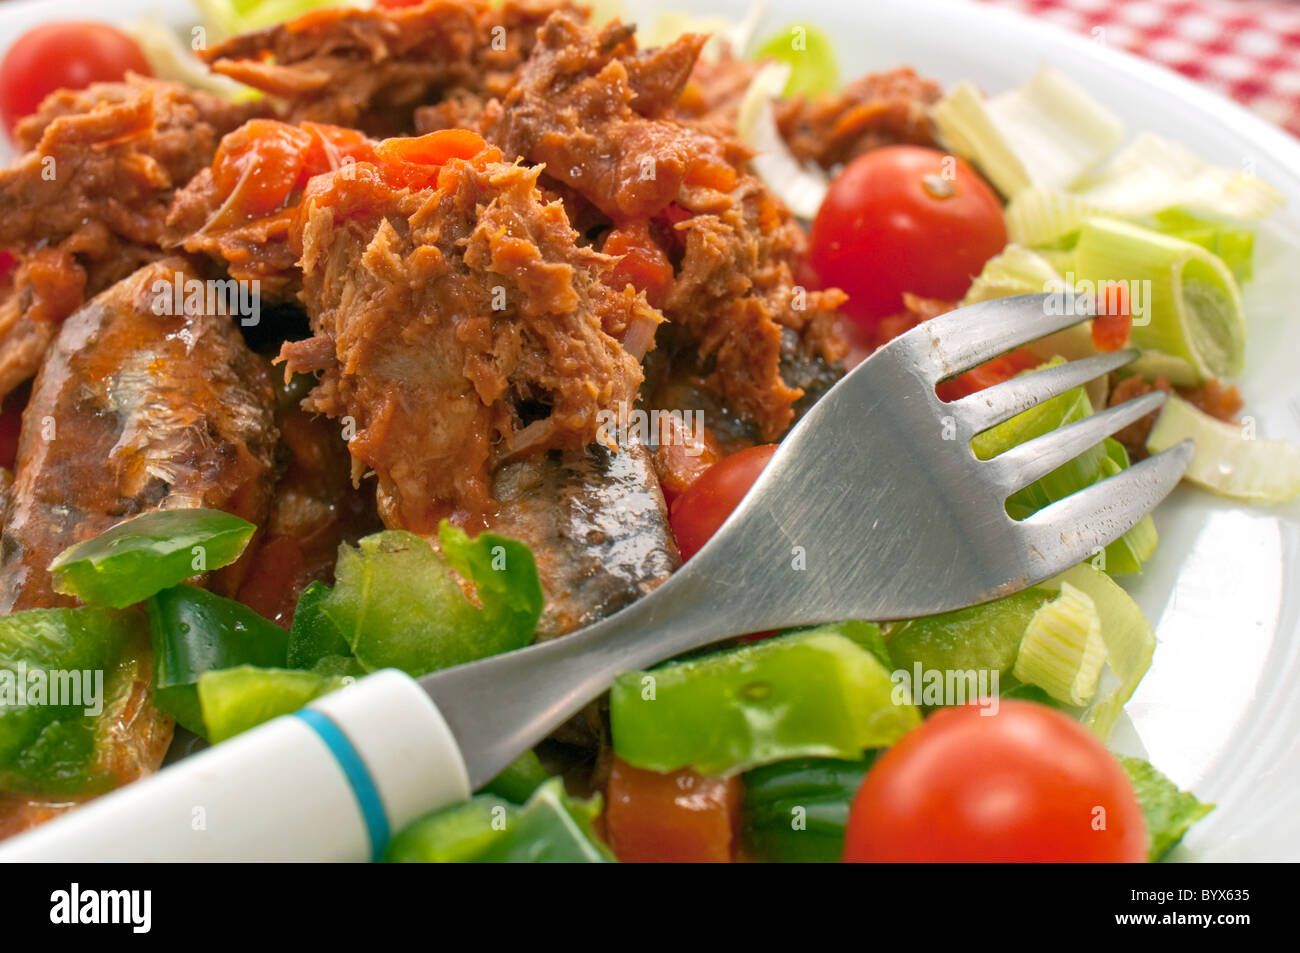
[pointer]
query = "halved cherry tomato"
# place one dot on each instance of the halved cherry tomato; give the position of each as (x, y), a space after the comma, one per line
(683, 817)
(1114, 320)
(1000, 369)
(705, 504)
(1024, 784)
(63, 56)
(904, 219)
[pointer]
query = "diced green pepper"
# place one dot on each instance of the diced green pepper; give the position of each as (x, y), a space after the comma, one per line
(397, 604)
(235, 699)
(144, 555)
(809, 53)
(60, 673)
(194, 631)
(551, 828)
(810, 693)
(520, 778)
(312, 636)
(796, 811)
(979, 639)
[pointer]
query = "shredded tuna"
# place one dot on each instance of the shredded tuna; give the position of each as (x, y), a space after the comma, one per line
(452, 313)
(370, 69)
(877, 110)
(1219, 400)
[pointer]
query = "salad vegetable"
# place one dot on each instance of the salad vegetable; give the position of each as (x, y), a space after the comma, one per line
(195, 632)
(1168, 812)
(1230, 460)
(796, 811)
(61, 674)
(551, 828)
(397, 604)
(676, 817)
(1062, 651)
(743, 707)
(144, 555)
(232, 700)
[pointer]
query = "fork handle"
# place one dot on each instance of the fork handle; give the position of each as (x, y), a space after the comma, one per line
(329, 783)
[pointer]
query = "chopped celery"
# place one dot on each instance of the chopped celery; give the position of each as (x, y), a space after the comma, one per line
(740, 708)
(1062, 651)
(195, 631)
(233, 700)
(1229, 459)
(1168, 812)
(1192, 307)
(1047, 132)
(796, 811)
(1233, 244)
(551, 828)
(1015, 270)
(131, 561)
(1129, 641)
(226, 18)
(809, 53)
(397, 604)
(61, 672)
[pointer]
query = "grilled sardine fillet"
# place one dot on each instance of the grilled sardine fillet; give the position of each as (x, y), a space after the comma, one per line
(134, 411)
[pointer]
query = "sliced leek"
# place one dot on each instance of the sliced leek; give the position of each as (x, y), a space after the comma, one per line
(1153, 174)
(1229, 459)
(1185, 302)
(1129, 641)
(1014, 271)
(1047, 132)
(800, 186)
(1062, 650)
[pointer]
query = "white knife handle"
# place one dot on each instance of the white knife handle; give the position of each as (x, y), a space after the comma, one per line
(330, 783)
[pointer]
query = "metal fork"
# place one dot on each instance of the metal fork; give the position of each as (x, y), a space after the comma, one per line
(875, 507)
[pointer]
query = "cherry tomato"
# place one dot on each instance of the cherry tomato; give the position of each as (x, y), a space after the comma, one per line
(904, 219)
(1023, 784)
(683, 817)
(63, 56)
(706, 503)
(1000, 369)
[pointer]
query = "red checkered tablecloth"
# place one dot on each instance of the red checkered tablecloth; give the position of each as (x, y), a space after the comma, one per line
(1249, 50)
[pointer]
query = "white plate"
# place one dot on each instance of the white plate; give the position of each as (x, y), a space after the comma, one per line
(1220, 710)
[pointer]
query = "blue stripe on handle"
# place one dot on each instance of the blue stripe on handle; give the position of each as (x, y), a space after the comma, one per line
(354, 769)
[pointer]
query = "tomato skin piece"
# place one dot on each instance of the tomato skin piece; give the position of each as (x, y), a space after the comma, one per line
(63, 55)
(1020, 785)
(1114, 320)
(642, 263)
(904, 219)
(1001, 368)
(705, 505)
(682, 817)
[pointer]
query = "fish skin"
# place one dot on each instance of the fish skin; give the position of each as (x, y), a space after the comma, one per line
(145, 412)
(597, 524)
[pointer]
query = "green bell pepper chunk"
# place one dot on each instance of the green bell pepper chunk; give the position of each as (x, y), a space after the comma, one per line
(519, 779)
(982, 638)
(397, 604)
(809, 53)
(144, 555)
(797, 811)
(235, 699)
(313, 638)
(62, 672)
(809, 693)
(194, 631)
(551, 828)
